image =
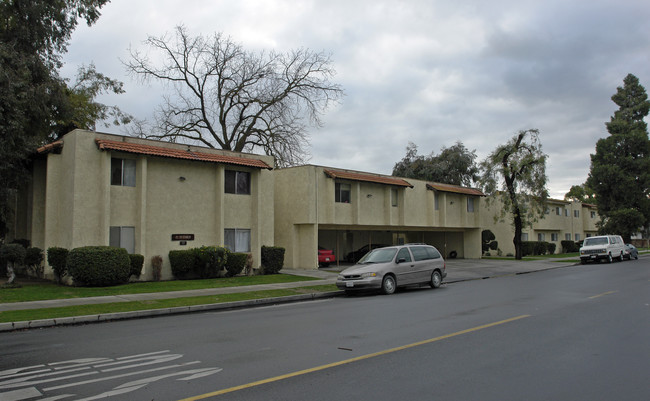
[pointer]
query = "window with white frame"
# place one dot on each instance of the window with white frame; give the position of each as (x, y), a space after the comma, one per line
(470, 205)
(524, 236)
(593, 215)
(342, 192)
(123, 172)
(122, 237)
(541, 237)
(577, 237)
(554, 237)
(567, 236)
(566, 212)
(237, 239)
(576, 213)
(237, 182)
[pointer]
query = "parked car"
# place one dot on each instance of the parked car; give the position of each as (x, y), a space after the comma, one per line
(325, 257)
(354, 256)
(631, 252)
(601, 247)
(387, 268)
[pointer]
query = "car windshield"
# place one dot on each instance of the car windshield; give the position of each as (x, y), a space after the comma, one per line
(595, 241)
(381, 255)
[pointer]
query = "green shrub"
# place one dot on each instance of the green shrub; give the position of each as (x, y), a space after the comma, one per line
(569, 246)
(235, 263)
(272, 259)
(99, 266)
(57, 258)
(551, 248)
(137, 261)
(24, 242)
(14, 253)
(209, 260)
(34, 261)
(182, 262)
(527, 248)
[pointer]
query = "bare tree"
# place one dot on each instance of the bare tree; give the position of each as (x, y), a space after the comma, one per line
(229, 98)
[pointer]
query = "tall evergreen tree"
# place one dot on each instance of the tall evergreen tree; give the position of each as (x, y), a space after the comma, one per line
(620, 168)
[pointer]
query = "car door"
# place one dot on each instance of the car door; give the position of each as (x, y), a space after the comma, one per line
(422, 267)
(404, 267)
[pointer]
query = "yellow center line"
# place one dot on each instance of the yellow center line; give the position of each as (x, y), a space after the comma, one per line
(604, 293)
(347, 361)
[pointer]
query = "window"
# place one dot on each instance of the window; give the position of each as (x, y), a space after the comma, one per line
(342, 194)
(123, 172)
(238, 182)
(393, 197)
(404, 254)
(419, 253)
(470, 205)
(237, 239)
(541, 237)
(554, 237)
(524, 236)
(566, 214)
(576, 213)
(122, 237)
(577, 236)
(558, 211)
(436, 201)
(567, 236)
(593, 215)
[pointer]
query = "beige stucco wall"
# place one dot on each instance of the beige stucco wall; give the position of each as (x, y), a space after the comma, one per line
(73, 203)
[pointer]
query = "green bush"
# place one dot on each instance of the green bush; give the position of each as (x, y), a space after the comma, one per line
(57, 258)
(99, 266)
(235, 263)
(209, 260)
(182, 262)
(272, 259)
(551, 248)
(527, 248)
(34, 261)
(14, 253)
(569, 246)
(136, 262)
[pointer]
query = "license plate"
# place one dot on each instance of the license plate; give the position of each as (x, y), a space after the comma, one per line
(349, 284)
(593, 256)
(327, 259)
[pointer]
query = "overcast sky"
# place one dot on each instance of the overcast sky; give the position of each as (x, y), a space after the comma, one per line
(430, 72)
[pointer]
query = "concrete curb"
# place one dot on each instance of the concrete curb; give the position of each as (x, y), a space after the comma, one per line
(73, 320)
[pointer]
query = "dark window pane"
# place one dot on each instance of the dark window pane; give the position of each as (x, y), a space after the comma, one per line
(230, 181)
(116, 171)
(243, 182)
(128, 172)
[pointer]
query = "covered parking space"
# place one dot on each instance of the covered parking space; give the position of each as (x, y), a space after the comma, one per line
(351, 243)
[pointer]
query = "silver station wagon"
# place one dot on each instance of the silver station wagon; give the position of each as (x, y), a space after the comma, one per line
(387, 268)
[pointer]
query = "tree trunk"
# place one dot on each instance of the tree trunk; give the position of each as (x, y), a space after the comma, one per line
(518, 231)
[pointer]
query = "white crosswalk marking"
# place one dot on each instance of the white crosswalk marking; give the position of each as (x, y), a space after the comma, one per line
(41, 382)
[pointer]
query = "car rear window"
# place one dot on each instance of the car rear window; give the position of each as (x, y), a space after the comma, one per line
(419, 253)
(433, 253)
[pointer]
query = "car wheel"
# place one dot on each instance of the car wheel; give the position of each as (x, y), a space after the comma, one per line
(436, 279)
(388, 285)
(635, 256)
(621, 258)
(610, 259)
(583, 262)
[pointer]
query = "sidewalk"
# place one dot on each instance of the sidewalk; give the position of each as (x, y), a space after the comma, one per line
(457, 270)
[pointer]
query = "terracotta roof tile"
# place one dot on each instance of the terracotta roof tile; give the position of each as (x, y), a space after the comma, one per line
(380, 179)
(150, 150)
(51, 147)
(454, 188)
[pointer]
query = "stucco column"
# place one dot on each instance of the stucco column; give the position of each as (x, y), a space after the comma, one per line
(141, 227)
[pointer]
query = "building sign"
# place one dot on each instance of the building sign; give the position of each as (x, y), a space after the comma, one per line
(182, 237)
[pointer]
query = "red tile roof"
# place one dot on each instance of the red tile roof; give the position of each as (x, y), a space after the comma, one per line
(150, 150)
(454, 188)
(380, 179)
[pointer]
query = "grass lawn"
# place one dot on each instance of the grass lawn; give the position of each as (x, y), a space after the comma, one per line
(35, 290)
(98, 309)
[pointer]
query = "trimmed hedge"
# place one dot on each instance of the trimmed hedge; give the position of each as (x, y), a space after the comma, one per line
(272, 259)
(14, 253)
(182, 262)
(34, 261)
(235, 263)
(569, 246)
(209, 260)
(136, 263)
(57, 258)
(99, 266)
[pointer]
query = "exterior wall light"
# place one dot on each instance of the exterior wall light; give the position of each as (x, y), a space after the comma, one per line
(181, 178)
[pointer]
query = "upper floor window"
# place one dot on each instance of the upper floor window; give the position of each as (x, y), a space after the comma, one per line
(436, 201)
(558, 211)
(342, 192)
(566, 212)
(593, 215)
(238, 182)
(470, 205)
(576, 213)
(123, 172)
(393, 197)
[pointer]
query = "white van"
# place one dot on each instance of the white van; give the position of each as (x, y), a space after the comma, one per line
(602, 247)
